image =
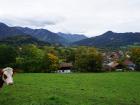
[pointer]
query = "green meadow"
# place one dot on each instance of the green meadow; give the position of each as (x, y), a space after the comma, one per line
(121, 88)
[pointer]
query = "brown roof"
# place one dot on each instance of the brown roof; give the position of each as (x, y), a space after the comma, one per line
(66, 65)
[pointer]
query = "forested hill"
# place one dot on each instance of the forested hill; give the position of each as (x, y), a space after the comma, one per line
(22, 40)
(111, 39)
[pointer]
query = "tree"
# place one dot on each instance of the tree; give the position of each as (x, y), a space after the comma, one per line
(70, 55)
(50, 62)
(135, 56)
(30, 58)
(7, 55)
(88, 60)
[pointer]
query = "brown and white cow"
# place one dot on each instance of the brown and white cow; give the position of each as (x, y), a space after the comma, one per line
(6, 76)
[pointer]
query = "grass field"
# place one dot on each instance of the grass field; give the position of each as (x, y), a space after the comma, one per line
(73, 89)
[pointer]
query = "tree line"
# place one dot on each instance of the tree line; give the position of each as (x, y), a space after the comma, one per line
(32, 58)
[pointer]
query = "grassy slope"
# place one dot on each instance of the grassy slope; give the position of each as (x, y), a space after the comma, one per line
(73, 89)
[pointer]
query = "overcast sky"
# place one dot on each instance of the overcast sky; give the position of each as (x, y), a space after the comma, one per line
(90, 17)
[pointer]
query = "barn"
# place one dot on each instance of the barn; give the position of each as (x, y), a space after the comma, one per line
(65, 68)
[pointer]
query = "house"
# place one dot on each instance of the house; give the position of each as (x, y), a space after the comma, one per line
(114, 65)
(114, 56)
(110, 66)
(129, 64)
(65, 68)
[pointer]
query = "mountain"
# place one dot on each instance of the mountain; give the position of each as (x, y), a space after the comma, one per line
(6, 31)
(71, 38)
(40, 34)
(111, 39)
(43, 35)
(22, 40)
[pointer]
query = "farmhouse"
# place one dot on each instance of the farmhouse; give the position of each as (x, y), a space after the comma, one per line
(65, 68)
(129, 64)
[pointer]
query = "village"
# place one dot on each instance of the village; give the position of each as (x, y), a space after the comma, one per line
(112, 61)
(118, 61)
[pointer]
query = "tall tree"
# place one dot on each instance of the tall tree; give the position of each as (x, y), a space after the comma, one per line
(7, 55)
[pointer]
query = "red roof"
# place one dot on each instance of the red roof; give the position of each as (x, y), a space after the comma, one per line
(128, 62)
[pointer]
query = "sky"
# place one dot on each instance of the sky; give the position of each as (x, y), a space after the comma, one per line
(89, 17)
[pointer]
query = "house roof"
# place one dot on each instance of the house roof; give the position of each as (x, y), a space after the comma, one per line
(113, 64)
(128, 62)
(65, 65)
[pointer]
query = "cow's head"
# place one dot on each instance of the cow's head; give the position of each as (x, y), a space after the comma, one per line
(7, 75)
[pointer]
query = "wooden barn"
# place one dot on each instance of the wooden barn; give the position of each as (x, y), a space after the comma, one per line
(65, 68)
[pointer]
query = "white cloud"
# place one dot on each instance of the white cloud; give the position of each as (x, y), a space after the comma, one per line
(31, 21)
(91, 17)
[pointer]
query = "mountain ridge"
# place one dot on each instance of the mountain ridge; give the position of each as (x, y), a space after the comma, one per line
(6, 31)
(111, 39)
(72, 37)
(41, 34)
(107, 39)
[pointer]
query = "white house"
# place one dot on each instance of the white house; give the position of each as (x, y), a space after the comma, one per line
(64, 71)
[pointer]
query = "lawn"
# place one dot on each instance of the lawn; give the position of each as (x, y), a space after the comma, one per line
(73, 89)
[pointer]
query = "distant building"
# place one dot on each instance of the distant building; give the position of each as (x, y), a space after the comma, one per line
(110, 66)
(65, 68)
(129, 64)
(113, 66)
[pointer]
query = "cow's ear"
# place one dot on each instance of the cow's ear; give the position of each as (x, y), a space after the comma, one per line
(14, 71)
(1, 72)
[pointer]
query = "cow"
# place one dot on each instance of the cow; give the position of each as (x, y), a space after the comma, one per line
(6, 76)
